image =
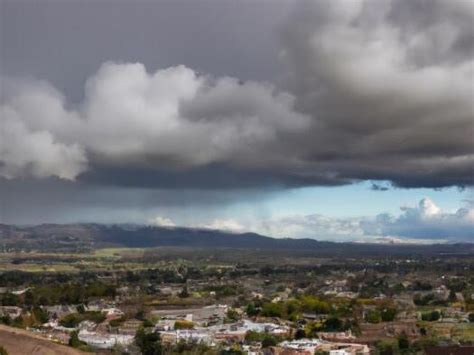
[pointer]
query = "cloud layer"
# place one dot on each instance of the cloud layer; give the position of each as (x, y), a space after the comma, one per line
(425, 222)
(372, 90)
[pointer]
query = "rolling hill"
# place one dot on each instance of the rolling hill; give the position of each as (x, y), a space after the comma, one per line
(86, 237)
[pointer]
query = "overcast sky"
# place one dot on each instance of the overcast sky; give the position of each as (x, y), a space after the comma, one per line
(338, 120)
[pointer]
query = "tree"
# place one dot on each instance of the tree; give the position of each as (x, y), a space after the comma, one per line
(435, 315)
(314, 304)
(388, 314)
(457, 285)
(148, 323)
(10, 299)
(300, 334)
(149, 343)
(403, 342)
(373, 316)
(387, 347)
(423, 300)
(269, 340)
(140, 315)
(452, 296)
(70, 320)
(431, 316)
(40, 315)
(184, 292)
(29, 298)
(333, 324)
(425, 343)
(18, 322)
(74, 340)
(183, 324)
(231, 352)
(117, 322)
(251, 310)
(81, 309)
(252, 336)
(232, 315)
(43, 301)
(272, 310)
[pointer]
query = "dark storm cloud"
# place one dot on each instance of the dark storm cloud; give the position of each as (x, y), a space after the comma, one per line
(65, 42)
(211, 177)
(389, 85)
(370, 90)
(29, 200)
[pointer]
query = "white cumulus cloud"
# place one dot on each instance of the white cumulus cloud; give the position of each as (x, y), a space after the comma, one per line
(25, 151)
(426, 220)
(172, 118)
(226, 224)
(161, 221)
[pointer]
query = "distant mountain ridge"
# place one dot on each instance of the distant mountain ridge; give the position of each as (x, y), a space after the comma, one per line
(90, 236)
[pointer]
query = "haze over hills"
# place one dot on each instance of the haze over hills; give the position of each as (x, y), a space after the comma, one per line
(89, 236)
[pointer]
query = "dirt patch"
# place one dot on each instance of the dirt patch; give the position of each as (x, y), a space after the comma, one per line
(21, 342)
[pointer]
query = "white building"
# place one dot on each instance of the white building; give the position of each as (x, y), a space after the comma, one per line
(339, 352)
(301, 345)
(104, 341)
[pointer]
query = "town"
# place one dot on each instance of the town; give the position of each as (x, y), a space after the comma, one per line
(180, 301)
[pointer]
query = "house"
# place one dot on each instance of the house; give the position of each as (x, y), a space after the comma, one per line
(112, 312)
(314, 316)
(165, 325)
(345, 348)
(253, 349)
(347, 294)
(194, 335)
(97, 305)
(59, 311)
(87, 325)
(340, 352)
(10, 311)
(298, 347)
(203, 316)
(130, 327)
(336, 336)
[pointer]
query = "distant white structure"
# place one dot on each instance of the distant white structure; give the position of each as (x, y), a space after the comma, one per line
(340, 352)
(20, 292)
(272, 328)
(301, 345)
(218, 333)
(104, 341)
(309, 346)
(201, 335)
(112, 311)
(11, 311)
